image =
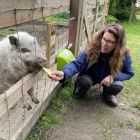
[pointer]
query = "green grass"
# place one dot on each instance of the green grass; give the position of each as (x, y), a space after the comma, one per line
(138, 11)
(137, 104)
(54, 19)
(6, 31)
(134, 124)
(48, 120)
(52, 116)
(132, 87)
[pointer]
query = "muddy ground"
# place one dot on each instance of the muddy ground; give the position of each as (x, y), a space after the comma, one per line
(91, 119)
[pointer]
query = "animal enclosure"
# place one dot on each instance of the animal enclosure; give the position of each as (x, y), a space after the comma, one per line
(38, 18)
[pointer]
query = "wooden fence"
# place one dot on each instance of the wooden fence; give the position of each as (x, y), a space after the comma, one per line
(88, 16)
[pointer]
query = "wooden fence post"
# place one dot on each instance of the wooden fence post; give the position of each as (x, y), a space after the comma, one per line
(76, 10)
(106, 7)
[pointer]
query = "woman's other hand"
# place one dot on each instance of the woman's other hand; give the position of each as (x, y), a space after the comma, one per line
(107, 81)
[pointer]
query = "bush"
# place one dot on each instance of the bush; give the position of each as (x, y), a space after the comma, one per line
(120, 9)
(63, 15)
(111, 19)
(122, 14)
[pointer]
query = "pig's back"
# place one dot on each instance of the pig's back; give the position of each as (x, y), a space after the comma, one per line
(5, 48)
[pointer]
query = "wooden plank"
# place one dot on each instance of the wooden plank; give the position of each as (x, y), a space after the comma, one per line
(99, 19)
(21, 116)
(7, 18)
(81, 24)
(96, 14)
(51, 43)
(76, 9)
(11, 4)
(14, 93)
(91, 2)
(56, 3)
(105, 11)
(91, 17)
(86, 20)
(32, 121)
(91, 6)
(101, 2)
(19, 4)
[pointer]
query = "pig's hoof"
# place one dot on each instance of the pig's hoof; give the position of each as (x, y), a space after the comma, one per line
(28, 107)
(36, 101)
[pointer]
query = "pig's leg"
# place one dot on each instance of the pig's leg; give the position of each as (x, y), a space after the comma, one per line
(33, 98)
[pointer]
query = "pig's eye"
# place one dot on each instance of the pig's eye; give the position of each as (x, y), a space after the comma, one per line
(24, 50)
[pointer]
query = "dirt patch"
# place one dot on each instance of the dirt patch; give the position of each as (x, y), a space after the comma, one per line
(91, 119)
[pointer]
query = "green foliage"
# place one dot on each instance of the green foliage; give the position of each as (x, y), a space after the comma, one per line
(120, 9)
(61, 17)
(111, 19)
(138, 11)
(56, 19)
(64, 15)
(63, 99)
(137, 126)
(134, 124)
(122, 14)
(6, 31)
(137, 105)
(51, 118)
(48, 120)
(132, 86)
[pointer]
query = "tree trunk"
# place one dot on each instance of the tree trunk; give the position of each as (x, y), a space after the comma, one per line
(132, 14)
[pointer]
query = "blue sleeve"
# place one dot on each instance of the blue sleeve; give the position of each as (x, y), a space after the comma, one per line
(127, 71)
(76, 66)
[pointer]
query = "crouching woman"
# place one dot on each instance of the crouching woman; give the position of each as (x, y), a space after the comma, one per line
(105, 61)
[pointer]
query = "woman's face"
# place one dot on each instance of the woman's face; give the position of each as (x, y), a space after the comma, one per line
(108, 42)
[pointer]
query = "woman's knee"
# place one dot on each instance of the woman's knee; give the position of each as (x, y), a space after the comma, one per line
(115, 88)
(82, 85)
(84, 81)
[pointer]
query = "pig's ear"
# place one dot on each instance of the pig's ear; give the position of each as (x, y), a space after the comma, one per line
(14, 41)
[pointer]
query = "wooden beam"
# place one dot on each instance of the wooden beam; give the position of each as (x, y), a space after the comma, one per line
(105, 13)
(76, 10)
(96, 15)
(28, 4)
(86, 20)
(18, 16)
(13, 94)
(34, 118)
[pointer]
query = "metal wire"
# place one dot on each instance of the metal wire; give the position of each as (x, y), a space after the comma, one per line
(45, 84)
(23, 100)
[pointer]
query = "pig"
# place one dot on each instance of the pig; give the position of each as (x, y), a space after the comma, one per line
(20, 54)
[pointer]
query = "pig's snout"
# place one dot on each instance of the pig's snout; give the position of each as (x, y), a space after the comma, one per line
(41, 62)
(37, 65)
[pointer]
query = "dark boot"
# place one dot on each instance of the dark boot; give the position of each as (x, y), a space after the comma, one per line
(110, 100)
(110, 93)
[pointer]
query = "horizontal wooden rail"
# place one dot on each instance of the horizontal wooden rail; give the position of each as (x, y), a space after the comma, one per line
(18, 16)
(13, 94)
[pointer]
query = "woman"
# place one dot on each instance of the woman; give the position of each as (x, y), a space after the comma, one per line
(105, 61)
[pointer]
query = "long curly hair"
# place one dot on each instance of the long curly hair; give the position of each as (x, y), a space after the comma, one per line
(94, 47)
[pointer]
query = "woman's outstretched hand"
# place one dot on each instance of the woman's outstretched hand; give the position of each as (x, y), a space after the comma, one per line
(57, 75)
